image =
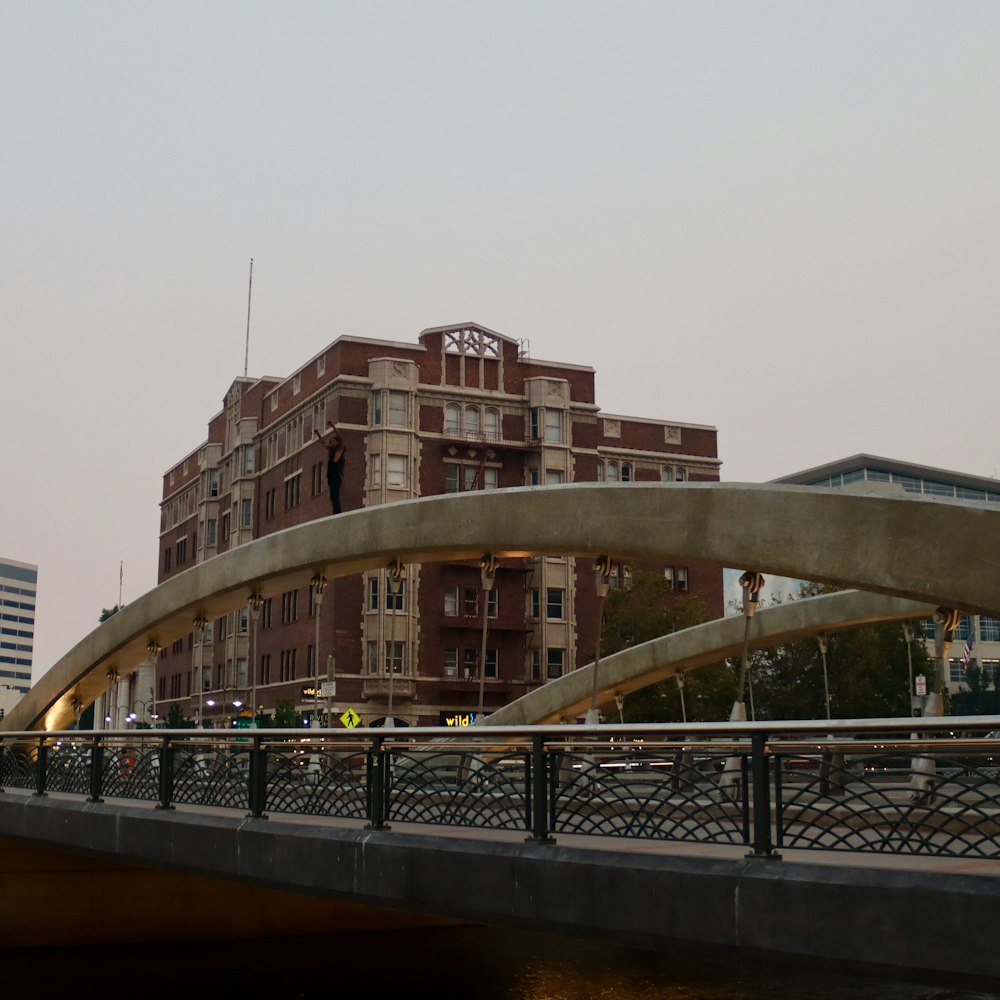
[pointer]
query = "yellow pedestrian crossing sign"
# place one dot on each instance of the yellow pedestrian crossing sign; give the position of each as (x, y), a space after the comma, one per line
(350, 718)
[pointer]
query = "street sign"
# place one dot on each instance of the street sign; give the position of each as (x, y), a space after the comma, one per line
(350, 719)
(328, 689)
(921, 684)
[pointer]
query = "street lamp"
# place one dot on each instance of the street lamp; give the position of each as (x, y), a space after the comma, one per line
(908, 636)
(394, 575)
(198, 655)
(487, 577)
(318, 586)
(821, 639)
(255, 602)
(602, 569)
(751, 582)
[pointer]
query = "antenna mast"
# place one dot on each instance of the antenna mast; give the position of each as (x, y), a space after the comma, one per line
(246, 353)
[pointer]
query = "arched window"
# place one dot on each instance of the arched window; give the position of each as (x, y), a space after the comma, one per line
(471, 422)
(452, 419)
(492, 424)
(680, 475)
(666, 474)
(612, 472)
(626, 472)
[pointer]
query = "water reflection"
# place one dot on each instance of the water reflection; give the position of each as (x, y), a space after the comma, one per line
(472, 962)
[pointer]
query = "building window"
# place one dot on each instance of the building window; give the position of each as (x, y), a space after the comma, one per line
(399, 409)
(225, 526)
(377, 407)
(249, 460)
(242, 676)
(471, 422)
(451, 661)
(534, 603)
(373, 593)
(668, 576)
(535, 666)
(395, 657)
(451, 600)
(182, 551)
(534, 428)
(680, 475)
(492, 602)
(167, 553)
(288, 665)
(555, 604)
(213, 483)
(964, 629)
(206, 677)
(310, 661)
(265, 613)
(553, 425)
(269, 504)
(491, 425)
(452, 420)
(210, 529)
(626, 472)
(246, 514)
(293, 487)
(989, 629)
(289, 607)
(991, 671)
(491, 663)
(317, 474)
(554, 662)
(396, 472)
(243, 621)
(452, 477)
(265, 669)
(470, 663)
(682, 579)
(471, 600)
(491, 478)
(553, 477)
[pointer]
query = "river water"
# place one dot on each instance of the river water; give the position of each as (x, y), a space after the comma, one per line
(474, 963)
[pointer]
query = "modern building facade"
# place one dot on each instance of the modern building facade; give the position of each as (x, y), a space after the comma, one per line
(866, 472)
(18, 587)
(463, 408)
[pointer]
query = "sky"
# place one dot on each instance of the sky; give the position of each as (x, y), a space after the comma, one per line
(776, 218)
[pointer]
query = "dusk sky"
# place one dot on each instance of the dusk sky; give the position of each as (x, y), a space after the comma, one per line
(780, 219)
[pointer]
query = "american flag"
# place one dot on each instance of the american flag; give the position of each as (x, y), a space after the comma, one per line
(967, 655)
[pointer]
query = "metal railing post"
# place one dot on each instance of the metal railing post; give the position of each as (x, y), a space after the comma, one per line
(96, 770)
(166, 757)
(538, 794)
(760, 777)
(257, 788)
(378, 785)
(43, 759)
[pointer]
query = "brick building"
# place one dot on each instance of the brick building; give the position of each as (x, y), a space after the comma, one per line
(464, 408)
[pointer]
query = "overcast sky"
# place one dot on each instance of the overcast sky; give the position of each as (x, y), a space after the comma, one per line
(780, 219)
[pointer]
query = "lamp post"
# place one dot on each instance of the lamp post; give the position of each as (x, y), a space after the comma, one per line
(394, 575)
(198, 655)
(255, 602)
(680, 687)
(821, 639)
(318, 586)
(111, 706)
(487, 577)
(908, 636)
(153, 648)
(751, 582)
(602, 578)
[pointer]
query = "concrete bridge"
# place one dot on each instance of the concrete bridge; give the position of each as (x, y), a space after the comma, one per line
(924, 553)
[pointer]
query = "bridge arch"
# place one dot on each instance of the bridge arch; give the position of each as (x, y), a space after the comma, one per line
(928, 551)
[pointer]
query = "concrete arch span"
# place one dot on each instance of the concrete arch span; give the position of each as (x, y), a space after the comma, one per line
(930, 551)
(637, 667)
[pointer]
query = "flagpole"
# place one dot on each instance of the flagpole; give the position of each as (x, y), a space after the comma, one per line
(121, 576)
(246, 353)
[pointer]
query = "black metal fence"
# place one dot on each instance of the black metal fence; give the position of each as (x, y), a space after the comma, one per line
(861, 786)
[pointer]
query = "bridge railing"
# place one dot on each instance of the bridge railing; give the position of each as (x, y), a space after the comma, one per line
(879, 785)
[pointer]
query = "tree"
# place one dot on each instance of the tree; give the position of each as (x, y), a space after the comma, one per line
(867, 673)
(106, 613)
(285, 716)
(647, 610)
(176, 719)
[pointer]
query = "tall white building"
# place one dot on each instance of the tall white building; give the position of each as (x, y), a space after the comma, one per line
(18, 585)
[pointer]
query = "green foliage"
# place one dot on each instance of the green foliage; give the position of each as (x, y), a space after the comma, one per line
(867, 673)
(176, 719)
(979, 697)
(648, 610)
(106, 613)
(285, 716)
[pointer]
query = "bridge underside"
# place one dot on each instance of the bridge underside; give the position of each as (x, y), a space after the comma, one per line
(333, 874)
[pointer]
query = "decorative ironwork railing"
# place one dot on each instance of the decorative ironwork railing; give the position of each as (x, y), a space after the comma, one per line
(881, 786)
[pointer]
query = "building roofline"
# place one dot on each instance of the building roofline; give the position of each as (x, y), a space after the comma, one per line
(894, 465)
